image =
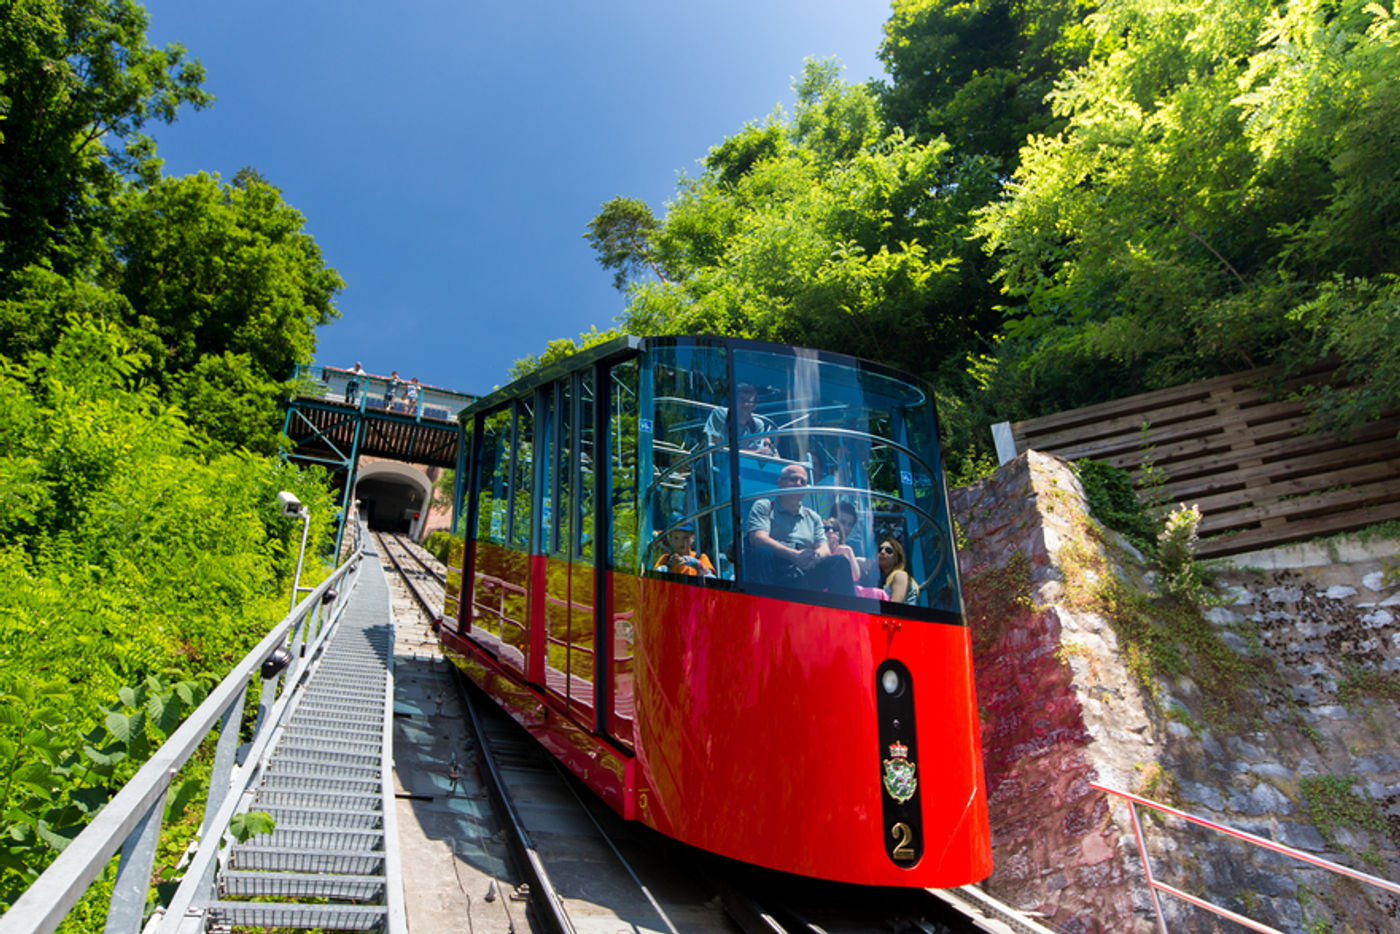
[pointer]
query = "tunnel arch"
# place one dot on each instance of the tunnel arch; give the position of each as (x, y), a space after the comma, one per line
(390, 494)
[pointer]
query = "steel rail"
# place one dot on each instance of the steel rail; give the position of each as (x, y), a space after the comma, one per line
(130, 817)
(424, 559)
(1261, 842)
(545, 898)
(387, 538)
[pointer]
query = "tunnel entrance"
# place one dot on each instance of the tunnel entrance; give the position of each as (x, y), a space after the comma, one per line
(393, 497)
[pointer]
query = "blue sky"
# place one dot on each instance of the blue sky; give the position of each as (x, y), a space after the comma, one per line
(449, 156)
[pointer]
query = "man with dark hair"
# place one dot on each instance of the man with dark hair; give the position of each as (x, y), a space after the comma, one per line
(751, 425)
(786, 544)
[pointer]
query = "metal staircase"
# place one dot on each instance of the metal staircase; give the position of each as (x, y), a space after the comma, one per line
(332, 861)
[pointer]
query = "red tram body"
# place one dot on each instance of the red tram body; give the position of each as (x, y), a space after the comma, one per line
(741, 709)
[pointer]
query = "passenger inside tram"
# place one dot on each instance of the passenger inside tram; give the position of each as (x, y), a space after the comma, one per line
(816, 438)
(786, 544)
(682, 557)
(899, 587)
(751, 424)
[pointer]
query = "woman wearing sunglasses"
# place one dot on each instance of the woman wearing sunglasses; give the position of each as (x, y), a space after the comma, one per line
(836, 541)
(898, 586)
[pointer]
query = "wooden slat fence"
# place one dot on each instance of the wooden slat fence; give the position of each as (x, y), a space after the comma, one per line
(1259, 479)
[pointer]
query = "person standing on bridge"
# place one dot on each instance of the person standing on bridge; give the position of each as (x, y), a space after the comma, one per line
(352, 386)
(391, 390)
(411, 396)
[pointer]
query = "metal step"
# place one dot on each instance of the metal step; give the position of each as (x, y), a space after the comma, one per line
(324, 817)
(291, 781)
(241, 883)
(345, 862)
(328, 917)
(351, 757)
(350, 802)
(295, 836)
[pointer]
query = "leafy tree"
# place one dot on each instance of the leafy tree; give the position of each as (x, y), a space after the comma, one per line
(212, 269)
(978, 72)
(621, 236)
(826, 230)
(78, 83)
(554, 351)
(1179, 228)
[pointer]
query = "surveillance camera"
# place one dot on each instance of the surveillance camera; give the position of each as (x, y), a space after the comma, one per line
(291, 506)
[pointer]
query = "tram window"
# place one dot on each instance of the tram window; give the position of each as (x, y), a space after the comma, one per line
(493, 502)
(622, 444)
(688, 479)
(563, 470)
(583, 542)
(522, 488)
(868, 443)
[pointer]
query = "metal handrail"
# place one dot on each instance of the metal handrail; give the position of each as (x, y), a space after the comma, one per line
(131, 821)
(1154, 886)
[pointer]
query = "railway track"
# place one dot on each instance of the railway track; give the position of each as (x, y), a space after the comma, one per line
(580, 866)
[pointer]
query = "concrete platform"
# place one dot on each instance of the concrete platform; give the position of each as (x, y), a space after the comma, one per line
(455, 868)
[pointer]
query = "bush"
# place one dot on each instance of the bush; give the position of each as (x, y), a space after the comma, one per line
(1114, 502)
(437, 544)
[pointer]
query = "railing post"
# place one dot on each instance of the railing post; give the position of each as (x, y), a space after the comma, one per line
(1147, 869)
(128, 905)
(225, 756)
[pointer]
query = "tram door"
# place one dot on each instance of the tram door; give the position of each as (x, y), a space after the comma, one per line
(562, 648)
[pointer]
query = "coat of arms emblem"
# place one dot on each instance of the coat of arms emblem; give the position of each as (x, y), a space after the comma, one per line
(900, 781)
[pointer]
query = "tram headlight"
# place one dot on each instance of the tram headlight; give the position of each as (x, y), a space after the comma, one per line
(890, 681)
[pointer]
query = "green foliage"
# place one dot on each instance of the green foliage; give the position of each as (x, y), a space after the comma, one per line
(1222, 196)
(244, 827)
(1333, 803)
(978, 73)
(61, 770)
(557, 350)
(78, 84)
(133, 563)
(1360, 683)
(621, 236)
(439, 543)
(223, 269)
(1176, 553)
(972, 466)
(1162, 635)
(1114, 502)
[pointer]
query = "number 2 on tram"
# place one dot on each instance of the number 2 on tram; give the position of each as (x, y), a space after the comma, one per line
(643, 588)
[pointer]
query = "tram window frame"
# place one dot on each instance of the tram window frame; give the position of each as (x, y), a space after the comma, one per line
(621, 493)
(586, 468)
(759, 365)
(677, 449)
(522, 477)
(494, 479)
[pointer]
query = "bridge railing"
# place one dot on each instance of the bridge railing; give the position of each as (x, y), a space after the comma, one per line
(131, 821)
(368, 393)
(1155, 886)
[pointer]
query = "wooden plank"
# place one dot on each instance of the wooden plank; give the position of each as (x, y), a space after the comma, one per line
(1370, 493)
(1303, 486)
(1251, 382)
(1268, 423)
(1207, 456)
(1143, 402)
(1319, 458)
(1128, 426)
(1301, 530)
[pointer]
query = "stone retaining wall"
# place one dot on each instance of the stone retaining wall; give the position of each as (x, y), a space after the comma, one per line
(1061, 707)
